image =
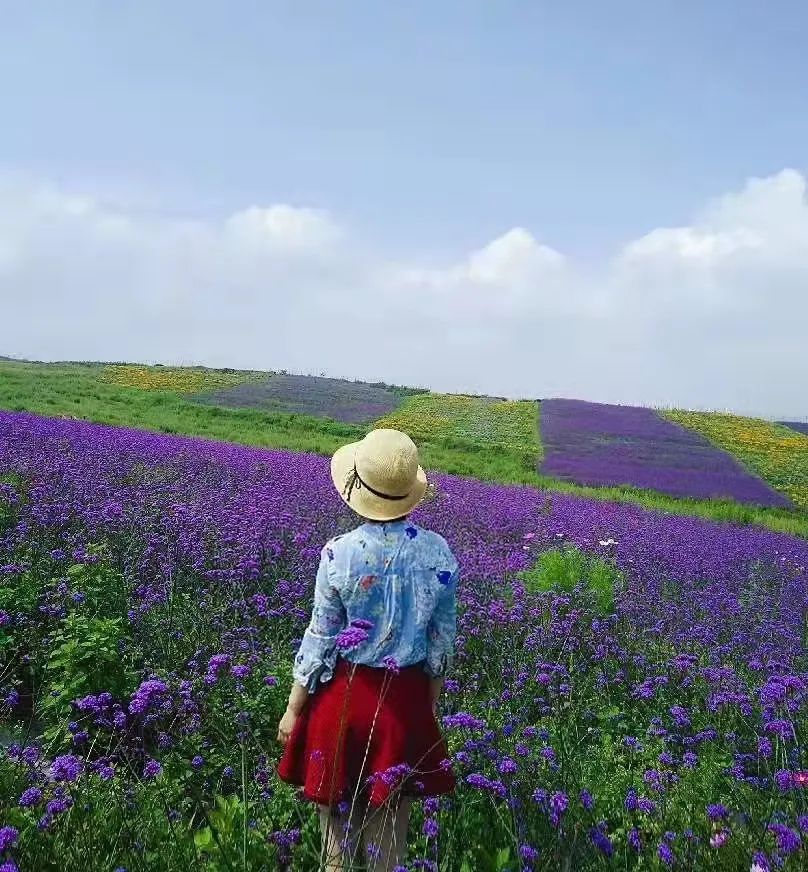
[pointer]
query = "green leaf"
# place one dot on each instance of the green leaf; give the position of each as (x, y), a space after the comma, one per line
(503, 858)
(203, 838)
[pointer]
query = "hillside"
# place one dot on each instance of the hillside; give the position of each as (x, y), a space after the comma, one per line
(706, 464)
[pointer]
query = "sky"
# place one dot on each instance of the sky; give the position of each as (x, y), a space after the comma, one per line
(529, 199)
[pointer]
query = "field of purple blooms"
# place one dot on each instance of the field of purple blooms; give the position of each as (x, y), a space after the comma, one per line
(345, 401)
(800, 427)
(598, 444)
(152, 592)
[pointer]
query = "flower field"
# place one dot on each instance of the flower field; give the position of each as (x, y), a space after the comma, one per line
(629, 692)
(800, 427)
(775, 452)
(183, 380)
(509, 424)
(597, 444)
(341, 400)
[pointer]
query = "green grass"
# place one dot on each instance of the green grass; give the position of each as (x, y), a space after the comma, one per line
(566, 567)
(509, 425)
(76, 390)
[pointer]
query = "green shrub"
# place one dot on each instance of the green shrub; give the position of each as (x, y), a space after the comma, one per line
(564, 568)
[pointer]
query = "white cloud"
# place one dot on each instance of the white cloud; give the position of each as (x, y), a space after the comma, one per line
(712, 314)
(283, 229)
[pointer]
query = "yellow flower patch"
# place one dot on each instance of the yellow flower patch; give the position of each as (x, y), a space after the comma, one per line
(509, 424)
(776, 453)
(181, 380)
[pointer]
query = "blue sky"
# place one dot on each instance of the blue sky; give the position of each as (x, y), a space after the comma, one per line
(426, 130)
(427, 124)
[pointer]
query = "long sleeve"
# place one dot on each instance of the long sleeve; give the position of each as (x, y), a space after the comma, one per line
(442, 628)
(317, 654)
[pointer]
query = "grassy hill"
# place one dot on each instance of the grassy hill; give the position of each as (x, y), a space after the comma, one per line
(609, 452)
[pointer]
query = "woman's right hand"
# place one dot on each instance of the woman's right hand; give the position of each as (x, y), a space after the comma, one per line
(435, 690)
(286, 725)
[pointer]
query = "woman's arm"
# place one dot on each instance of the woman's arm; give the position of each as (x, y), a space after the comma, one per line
(317, 653)
(297, 699)
(441, 632)
(435, 690)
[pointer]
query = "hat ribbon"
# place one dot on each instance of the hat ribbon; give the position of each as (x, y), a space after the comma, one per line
(354, 480)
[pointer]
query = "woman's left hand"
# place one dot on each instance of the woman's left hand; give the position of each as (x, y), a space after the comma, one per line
(286, 725)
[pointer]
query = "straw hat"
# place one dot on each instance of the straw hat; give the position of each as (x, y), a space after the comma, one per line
(379, 477)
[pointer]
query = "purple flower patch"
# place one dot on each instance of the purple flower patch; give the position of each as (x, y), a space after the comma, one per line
(599, 444)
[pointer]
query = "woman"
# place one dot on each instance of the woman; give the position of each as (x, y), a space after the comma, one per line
(360, 733)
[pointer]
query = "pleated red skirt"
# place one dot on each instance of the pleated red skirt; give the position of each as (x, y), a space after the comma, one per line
(368, 732)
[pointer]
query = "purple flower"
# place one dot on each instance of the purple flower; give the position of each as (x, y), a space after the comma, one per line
(30, 797)
(8, 836)
(507, 766)
(351, 637)
(152, 769)
(665, 854)
(31, 755)
(58, 805)
(558, 805)
(66, 768)
(601, 840)
(760, 863)
(463, 720)
(218, 664)
(782, 729)
(634, 839)
(587, 800)
(149, 695)
(788, 840)
(717, 812)
(784, 779)
(391, 665)
(528, 853)
(680, 716)
(430, 828)
(548, 754)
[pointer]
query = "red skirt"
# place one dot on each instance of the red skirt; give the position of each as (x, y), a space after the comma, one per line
(367, 732)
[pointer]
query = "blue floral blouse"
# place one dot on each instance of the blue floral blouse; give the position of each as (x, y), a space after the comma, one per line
(398, 582)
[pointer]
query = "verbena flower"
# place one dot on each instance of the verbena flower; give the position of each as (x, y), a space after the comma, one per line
(351, 637)
(66, 767)
(665, 854)
(152, 769)
(8, 837)
(30, 797)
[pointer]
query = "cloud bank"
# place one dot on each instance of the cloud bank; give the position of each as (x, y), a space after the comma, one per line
(709, 315)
